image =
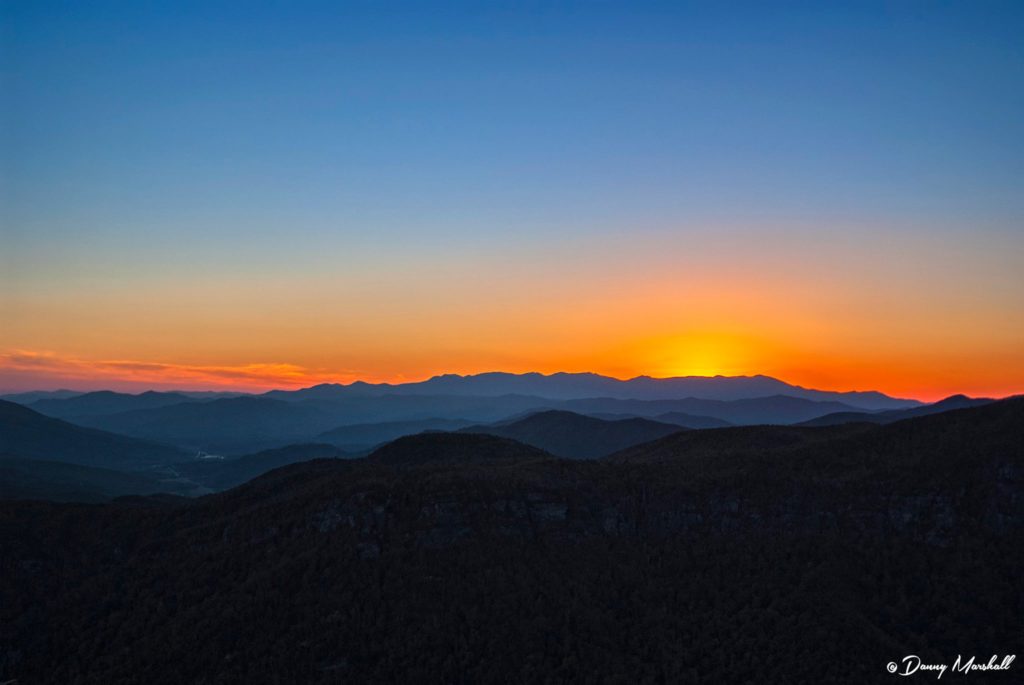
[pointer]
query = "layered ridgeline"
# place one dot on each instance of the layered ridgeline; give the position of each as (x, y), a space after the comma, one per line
(360, 416)
(31, 444)
(46, 458)
(27, 434)
(748, 554)
(194, 444)
(568, 386)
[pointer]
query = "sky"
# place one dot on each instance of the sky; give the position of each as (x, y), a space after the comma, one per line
(255, 195)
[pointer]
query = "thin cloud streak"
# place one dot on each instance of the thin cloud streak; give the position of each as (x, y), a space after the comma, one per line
(24, 369)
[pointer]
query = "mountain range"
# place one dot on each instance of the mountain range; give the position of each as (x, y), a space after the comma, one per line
(360, 415)
(242, 425)
(568, 386)
(557, 386)
(165, 440)
(58, 481)
(474, 557)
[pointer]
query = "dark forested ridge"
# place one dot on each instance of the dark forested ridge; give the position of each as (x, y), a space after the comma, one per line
(763, 554)
(454, 448)
(63, 482)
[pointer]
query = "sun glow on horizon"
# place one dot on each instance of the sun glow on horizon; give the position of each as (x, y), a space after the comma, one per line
(702, 354)
(706, 355)
(683, 192)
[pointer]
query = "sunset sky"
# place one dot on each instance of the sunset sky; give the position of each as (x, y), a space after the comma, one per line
(248, 196)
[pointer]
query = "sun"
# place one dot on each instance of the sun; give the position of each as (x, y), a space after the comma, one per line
(701, 360)
(705, 354)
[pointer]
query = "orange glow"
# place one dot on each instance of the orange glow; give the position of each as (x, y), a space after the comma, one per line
(72, 372)
(708, 356)
(842, 315)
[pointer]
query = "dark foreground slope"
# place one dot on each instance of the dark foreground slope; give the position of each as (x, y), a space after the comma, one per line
(761, 556)
(61, 482)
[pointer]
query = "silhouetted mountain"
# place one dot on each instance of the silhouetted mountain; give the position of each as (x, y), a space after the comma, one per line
(27, 434)
(769, 554)
(35, 395)
(676, 418)
(574, 436)
(744, 442)
(63, 482)
(567, 386)
(213, 394)
(451, 448)
(225, 426)
(361, 435)
(392, 408)
(220, 474)
(950, 403)
(780, 409)
(691, 421)
(106, 402)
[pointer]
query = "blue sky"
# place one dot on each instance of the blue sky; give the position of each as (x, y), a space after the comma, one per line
(518, 114)
(147, 142)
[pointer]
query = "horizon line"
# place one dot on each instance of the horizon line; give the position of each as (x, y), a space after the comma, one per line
(265, 389)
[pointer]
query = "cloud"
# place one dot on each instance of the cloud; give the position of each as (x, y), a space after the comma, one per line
(21, 369)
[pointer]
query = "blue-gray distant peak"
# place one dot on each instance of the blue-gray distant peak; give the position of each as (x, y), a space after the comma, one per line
(570, 386)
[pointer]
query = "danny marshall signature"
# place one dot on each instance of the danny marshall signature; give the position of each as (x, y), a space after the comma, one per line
(912, 663)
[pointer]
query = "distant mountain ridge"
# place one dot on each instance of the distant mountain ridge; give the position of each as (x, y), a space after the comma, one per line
(106, 402)
(56, 481)
(35, 395)
(569, 386)
(234, 425)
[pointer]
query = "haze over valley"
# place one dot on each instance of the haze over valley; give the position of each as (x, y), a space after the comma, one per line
(186, 443)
